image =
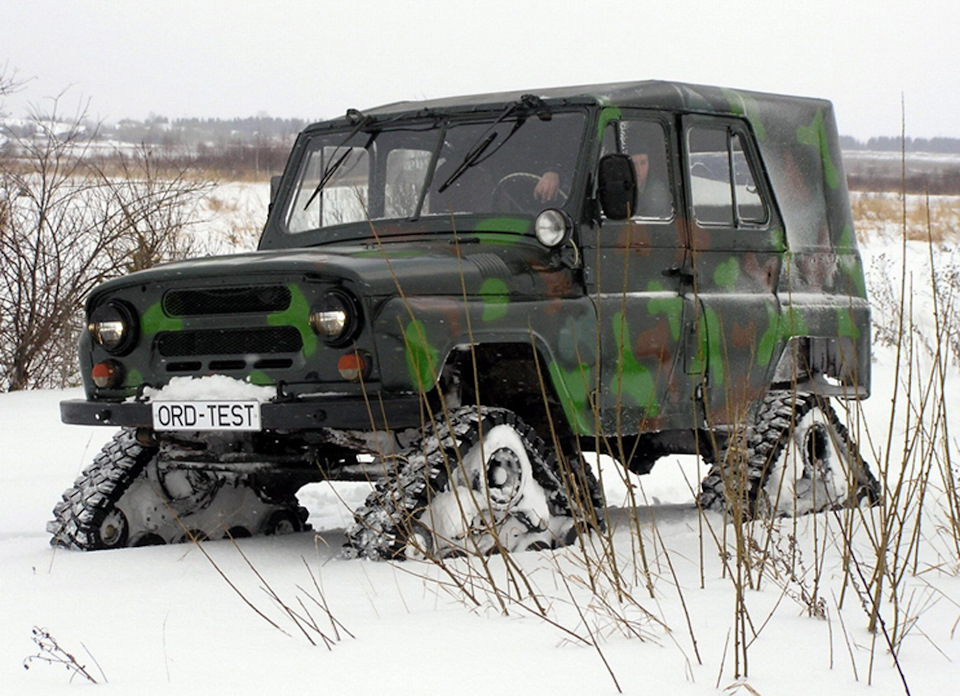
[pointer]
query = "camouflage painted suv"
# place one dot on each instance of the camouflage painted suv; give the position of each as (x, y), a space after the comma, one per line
(458, 298)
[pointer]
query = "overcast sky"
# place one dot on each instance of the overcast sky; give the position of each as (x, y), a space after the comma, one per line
(315, 58)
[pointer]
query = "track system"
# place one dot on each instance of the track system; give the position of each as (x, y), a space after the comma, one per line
(131, 495)
(477, 482)
(794, 458)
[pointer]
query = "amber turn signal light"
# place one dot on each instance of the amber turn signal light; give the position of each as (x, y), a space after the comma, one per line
(107, 374)
(354, 366)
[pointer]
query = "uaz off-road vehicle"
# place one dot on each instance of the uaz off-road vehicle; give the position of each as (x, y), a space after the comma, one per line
(460, 297)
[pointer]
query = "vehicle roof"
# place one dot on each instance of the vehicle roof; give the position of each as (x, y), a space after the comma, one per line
(650, 94)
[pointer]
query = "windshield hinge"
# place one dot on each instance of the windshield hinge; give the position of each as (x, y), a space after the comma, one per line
(536, 105)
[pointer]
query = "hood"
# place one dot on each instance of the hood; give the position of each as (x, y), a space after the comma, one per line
(419, 268)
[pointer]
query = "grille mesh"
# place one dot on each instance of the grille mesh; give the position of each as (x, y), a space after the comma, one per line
(243, 342)
(213, 301)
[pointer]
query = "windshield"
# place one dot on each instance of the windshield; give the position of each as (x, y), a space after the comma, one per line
(508, 165)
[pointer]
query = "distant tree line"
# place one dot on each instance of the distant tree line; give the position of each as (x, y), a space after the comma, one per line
(238, 148)
(915, 165)
(947, 146)
(182, 132)
(158, 130)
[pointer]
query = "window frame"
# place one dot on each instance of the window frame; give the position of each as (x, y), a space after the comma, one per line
(664, 120)
(733, 131)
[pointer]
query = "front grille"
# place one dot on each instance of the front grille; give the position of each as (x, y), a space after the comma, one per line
(179, 367)
(213, 301)
(239, 342)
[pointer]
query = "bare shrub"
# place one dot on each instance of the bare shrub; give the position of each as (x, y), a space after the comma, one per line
(9, 82)
(324, 628)
(930, 318)
(66, 226)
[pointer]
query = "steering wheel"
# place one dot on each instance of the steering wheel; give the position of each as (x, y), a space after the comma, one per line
(514, 194)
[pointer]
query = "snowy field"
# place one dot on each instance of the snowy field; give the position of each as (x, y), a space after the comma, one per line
(219, 618)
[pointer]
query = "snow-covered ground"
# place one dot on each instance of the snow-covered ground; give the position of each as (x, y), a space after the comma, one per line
(186, 619)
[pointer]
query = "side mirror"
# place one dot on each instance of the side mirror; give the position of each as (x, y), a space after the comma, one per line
(617, 186)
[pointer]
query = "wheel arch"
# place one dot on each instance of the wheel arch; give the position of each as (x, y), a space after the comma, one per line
(823, 365)
(522, 376)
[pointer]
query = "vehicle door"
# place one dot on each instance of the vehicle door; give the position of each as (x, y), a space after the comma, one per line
(637, 271)
(737, 244)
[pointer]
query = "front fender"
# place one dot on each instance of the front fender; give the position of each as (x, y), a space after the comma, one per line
(416, 338)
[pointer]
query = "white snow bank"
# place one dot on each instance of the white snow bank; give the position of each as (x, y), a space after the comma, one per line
(209, 388)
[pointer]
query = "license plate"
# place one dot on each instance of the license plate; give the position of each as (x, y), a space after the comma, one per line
(206, 415)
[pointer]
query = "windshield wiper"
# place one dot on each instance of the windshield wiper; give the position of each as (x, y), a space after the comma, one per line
(337, 161)
(470, 160)
(528, 103)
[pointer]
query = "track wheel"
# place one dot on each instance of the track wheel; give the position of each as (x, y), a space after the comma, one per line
(478, 482)
(796, 457)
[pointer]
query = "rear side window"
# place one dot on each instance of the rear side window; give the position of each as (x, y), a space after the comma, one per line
(723, 179)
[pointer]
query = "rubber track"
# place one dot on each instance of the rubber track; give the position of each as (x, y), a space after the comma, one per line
(79, 514)
(382, 524)
(764, 439)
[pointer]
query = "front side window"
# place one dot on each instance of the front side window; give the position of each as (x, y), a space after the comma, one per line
(507, 164)
(645, 141)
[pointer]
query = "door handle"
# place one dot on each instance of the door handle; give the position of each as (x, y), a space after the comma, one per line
(684, 275)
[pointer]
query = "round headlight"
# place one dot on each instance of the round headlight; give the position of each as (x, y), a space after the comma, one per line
(553, 227)
(114, 326)
(336, 317)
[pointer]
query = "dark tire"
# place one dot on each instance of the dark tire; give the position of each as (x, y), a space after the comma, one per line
(148, 540)
(796, 457)
(238, 533)
(479, 483)
(193, 536)
(283, 522)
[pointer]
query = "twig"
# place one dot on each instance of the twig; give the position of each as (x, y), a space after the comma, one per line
(52, 653)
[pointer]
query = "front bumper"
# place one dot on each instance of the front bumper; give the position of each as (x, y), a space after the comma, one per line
(346, 413)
